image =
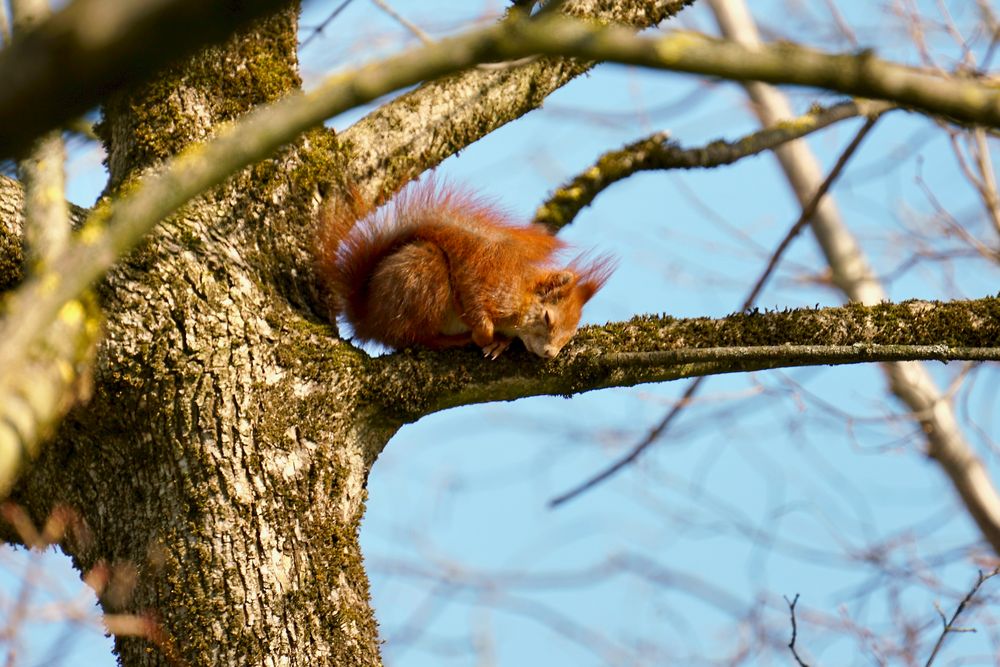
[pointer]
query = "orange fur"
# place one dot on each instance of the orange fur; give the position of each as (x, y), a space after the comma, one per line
(439, 268)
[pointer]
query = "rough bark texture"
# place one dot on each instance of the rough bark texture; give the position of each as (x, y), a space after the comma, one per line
(219, 469)
(218, 473)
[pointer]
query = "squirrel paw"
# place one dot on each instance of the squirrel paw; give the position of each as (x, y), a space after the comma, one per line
(493, 350)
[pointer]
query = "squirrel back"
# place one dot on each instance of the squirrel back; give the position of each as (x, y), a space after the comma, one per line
(439, 268)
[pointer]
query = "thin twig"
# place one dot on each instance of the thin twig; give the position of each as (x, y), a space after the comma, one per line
(318, 30)
(810, 210)
(409, 25)
(795, 630)
(650, 438)
(949, 626)
(807, 213)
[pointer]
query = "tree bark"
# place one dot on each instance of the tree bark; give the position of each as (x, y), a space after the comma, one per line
(217, 476)
(218, 473)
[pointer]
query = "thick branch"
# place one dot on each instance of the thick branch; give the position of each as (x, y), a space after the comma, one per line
(418, 130)
(973, 101)
(69, 63)
(656, 349)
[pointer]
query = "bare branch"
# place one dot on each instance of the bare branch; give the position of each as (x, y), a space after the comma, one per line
(656, 152)
(795, 630)
(949, 625)
(65, 66)
(810, 209)
(658, 349)
(500, 96)
(807, 212)
(986, 184)
(318, 30)
(966, 100)
(46, 212)
(852, 273)
(37, 388)
(403, 21)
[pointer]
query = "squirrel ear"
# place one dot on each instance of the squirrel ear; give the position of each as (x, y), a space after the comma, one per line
(555, 285)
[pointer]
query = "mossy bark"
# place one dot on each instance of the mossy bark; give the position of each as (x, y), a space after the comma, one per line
(218, 473)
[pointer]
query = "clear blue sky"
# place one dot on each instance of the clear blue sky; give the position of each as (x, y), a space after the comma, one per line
(774, 485)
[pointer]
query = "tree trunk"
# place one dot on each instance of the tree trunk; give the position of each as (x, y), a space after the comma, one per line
(217, 476)
(225, 471)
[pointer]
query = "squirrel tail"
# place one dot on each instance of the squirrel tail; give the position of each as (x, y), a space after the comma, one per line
(341, 269)
(353, 236)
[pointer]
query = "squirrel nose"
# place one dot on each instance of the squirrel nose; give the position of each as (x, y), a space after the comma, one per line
(550, 352)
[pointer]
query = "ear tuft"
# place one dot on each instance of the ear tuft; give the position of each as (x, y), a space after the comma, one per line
(593, 274)
(555, 285)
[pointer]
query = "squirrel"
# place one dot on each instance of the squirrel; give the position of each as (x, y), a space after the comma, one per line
(440, 268)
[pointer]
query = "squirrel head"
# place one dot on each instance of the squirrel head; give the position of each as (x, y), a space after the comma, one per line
(559, 296)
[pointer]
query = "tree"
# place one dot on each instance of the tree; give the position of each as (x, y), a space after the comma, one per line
(235, 539)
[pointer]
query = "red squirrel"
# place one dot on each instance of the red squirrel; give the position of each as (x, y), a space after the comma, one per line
(440, 268)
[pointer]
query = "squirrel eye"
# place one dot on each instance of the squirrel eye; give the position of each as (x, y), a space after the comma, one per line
(548, 319)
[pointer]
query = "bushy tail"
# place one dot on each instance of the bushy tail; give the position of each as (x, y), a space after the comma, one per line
(341, 269)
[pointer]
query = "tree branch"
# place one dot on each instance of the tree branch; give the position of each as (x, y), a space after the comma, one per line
(974, 101)
(851, 273)
(67, 64)
(655, 349)
(807, 212)
(949, 625)
(39, 387)
(656, 152)
(795, 631)
(416, 131)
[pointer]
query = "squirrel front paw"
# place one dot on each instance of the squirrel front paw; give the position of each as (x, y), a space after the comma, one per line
(494, 349)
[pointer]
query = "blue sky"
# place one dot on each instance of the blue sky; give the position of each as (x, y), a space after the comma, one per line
(773, 484)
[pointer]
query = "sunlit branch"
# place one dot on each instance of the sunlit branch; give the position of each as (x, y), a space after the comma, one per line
(67, 64)
(968, 100)
(657, 152)
(852, 274)
(657, 349)
(416, 131)
(38, 387)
